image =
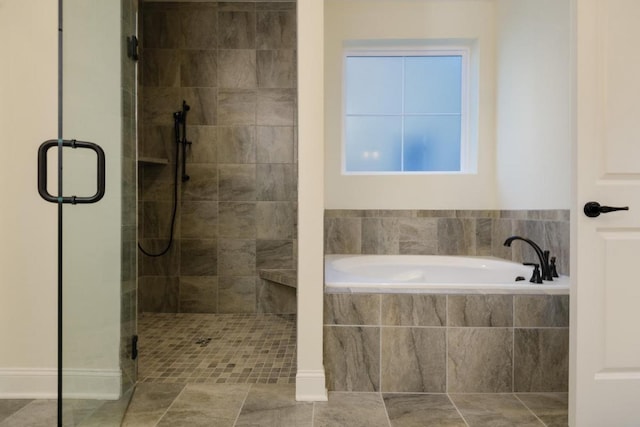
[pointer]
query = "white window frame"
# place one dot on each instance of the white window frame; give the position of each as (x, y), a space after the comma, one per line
(466, 163)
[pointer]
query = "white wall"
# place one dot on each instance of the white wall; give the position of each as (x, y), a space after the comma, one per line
(523, 103)
(533, 115)
(310, 379)
(411, 20)
(28, 98)
(28, 224)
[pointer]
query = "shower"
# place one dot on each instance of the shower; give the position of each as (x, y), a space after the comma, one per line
(232, 217)
(180, 137)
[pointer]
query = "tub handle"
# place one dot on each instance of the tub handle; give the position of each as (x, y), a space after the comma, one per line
(535, 277)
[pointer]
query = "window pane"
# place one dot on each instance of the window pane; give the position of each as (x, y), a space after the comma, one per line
(432, 143)
(373, 144)
(433, 84)
(374, 85)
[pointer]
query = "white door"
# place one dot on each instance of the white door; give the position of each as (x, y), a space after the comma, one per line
(605, 301)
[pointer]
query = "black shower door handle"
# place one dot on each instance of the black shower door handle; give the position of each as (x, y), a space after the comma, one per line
(42, 171)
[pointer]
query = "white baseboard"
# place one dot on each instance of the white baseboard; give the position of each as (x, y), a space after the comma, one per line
(33, 383)
(310, 386)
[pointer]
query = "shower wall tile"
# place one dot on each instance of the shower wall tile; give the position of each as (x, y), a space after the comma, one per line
(243, 184)
(237, 219)
(236, 107)
(157, 183)
(198, 220)
(237, 295)
(276, 182)
(274, 144)
(541, 310)
(237, 27)
(501, 230)
(276, 68)
(342, 235)
(236, 6)
(157, 220)
(203, 102)
(436, 213)
(352, 358)
(159, 105)
(198, 25)
(237, 182)
(198, 294)
(414, 310)
(198, 68)
(413, 360)
(203, 183)
(531, 229)
(198, 257)
(160, 67)
(204, 144)
(418, 236)
(236, 257)
(237, 69)
(470, 213)
(275, 5)
(158, 294)
(484, 238)
(274, 220)
(274, 298)
(380, 236)
(456, 236)
(274, 254)
(557, 241)
(541, 361)
(480, 360)
(276, 30)
(276, 107)
(480, 310)
(166, 265)
(161, 26)
(236, 144)
(156, 141)
(352, 309)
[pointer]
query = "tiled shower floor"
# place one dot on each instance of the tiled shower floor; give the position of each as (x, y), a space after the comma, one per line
(217, 348)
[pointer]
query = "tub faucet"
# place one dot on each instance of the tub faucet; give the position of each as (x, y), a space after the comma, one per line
(542, 255)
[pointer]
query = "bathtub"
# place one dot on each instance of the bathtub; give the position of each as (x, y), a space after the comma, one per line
(433, 274)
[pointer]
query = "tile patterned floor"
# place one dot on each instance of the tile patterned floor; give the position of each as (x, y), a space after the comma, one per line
(274, 405)
(217, 348)
(238, 371)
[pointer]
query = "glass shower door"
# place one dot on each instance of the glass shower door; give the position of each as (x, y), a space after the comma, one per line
(98, 239)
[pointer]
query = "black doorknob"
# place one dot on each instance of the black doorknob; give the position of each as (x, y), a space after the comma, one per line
(593, 209)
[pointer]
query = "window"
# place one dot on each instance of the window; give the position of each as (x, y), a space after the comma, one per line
(405, 112)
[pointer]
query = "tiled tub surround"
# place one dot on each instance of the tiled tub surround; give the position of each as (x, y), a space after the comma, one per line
(431, 343)
(234, 63)
(448, 232)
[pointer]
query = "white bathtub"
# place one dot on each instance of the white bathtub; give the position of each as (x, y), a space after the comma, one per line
(433, 274)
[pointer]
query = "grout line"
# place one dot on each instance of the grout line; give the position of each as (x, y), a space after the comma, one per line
(386, 413)
(513, 344)
(457, 409)
(313, 413)
(242, 405)
(530, 410)
(169, 407)
(446, 345)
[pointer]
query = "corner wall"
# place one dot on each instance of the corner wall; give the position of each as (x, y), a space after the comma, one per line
(533, 127)
(28, 230)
